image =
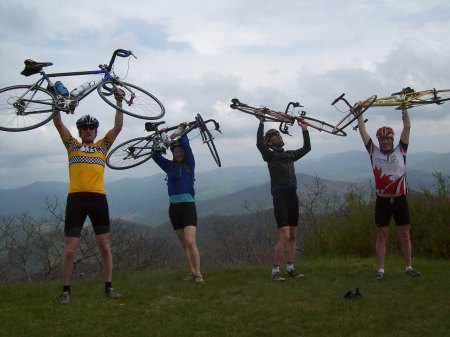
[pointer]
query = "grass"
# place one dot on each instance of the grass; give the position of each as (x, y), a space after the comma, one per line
(240, 301)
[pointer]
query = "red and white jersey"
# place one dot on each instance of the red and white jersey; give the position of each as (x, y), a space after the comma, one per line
(389, 169)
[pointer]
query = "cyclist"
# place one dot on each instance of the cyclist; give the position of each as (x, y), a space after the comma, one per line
(86, 196)
(284, 191)
(389, 170)
(182, 209)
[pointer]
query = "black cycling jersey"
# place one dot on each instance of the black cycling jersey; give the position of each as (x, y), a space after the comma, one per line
(280, 162)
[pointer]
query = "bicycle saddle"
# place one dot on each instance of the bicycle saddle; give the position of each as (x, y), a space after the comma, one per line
(152, 126)
(33, 67)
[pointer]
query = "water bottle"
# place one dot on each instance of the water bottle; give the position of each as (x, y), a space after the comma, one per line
(60, 89)
(80, 89)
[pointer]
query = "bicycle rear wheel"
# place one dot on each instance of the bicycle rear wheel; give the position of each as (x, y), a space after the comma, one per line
(207, 139)
(430, 97)
(357, 110)
(323, 126)
(269, 114)
(131, 153)
(137, 102)
(24, 107)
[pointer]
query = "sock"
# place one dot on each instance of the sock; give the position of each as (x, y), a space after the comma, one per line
(381, 270)
(108, 285)
(408, 268)
(275, 268)
(66, 288)
(289, 266)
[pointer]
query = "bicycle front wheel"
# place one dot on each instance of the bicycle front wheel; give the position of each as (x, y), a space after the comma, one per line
(24, 107)
(137, 102)
(207, 139)
(323, 126)
(131, 153)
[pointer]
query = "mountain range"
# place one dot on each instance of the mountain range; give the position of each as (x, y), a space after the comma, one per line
(223, 190)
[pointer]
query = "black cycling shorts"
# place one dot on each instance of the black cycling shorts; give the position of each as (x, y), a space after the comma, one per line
(285, 208)
(81, 205)
(385, 208)
(182, 215)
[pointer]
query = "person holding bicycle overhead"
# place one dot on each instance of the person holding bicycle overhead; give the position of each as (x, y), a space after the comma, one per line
(86, 196)
(389, 170)
(284, 191)
(182, 209)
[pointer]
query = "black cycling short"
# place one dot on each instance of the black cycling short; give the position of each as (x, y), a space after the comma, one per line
(81, 205)
(285, 208)
(182, 215)
(385, 208)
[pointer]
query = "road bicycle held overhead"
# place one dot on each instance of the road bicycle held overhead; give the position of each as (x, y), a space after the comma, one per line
(25, 107)
(407, 98)
(136, 151)
(287, 118)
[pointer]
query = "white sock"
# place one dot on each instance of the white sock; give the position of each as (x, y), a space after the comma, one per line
(275, 269)
(408, 268)
(381, 270)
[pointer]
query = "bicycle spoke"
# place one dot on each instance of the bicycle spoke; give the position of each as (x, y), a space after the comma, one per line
(130, 153)
(23, 108)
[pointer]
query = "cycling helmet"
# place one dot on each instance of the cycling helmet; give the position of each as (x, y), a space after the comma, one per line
(385, 132)
(174, 145)
(87, 120)
(269, 134)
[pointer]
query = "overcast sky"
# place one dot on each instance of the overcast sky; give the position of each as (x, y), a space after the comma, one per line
(197, 55)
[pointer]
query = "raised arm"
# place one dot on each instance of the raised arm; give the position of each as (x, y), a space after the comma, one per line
(362, 130)
(64, 132)
(118, 119)
(404, 137)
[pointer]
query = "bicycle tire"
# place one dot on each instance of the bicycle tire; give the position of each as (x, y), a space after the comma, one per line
(208, 139)
(269, 114)
(23, 113)
(431, 97)
(357, 110)
(323, 126)
(131, 153)
(142, 105)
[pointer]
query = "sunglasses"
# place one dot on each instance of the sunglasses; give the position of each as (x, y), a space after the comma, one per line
(88, 127)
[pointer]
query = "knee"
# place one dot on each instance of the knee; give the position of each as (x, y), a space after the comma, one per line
(104, 246)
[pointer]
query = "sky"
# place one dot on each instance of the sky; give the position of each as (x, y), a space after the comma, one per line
(197, 55)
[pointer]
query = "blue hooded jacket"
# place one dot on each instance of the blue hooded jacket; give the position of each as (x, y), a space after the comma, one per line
(180, 176)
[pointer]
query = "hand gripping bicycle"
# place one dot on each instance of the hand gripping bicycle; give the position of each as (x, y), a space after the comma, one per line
(136, 151)
(25, 107)
(287, 118)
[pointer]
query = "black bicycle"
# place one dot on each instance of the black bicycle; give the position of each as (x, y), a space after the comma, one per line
(287, 118)
(25, 107)
(136, 151)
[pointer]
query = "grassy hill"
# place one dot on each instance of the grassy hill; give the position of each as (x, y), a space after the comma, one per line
(240, 301)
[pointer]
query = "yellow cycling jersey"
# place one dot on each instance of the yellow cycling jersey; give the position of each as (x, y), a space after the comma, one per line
(87, 164)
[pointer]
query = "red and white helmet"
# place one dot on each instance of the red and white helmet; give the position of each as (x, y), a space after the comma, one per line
(385, 132)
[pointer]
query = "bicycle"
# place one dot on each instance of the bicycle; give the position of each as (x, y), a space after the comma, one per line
(287, 118)
(407, 98)
(25, 107)
(134, 152)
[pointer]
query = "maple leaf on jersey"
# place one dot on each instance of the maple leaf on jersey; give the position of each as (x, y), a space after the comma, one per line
(381, 181)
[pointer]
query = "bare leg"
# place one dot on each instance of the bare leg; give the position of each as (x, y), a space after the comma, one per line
(70, 248)
(382, 236)
(282, 243)
(187, 240)
(405, 240)
(105, 250)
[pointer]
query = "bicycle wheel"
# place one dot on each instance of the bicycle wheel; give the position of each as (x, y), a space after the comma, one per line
(24, 107)
(357, 110)
(131, 153)
(429, 97)
(269, 114)
(323, 126)
(207, 139)
(137, 102)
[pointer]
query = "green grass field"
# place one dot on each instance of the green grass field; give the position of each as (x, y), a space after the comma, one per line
(240, 301)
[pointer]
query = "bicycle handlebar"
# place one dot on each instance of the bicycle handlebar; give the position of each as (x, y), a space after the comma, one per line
(120, 53)
(338, 99)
